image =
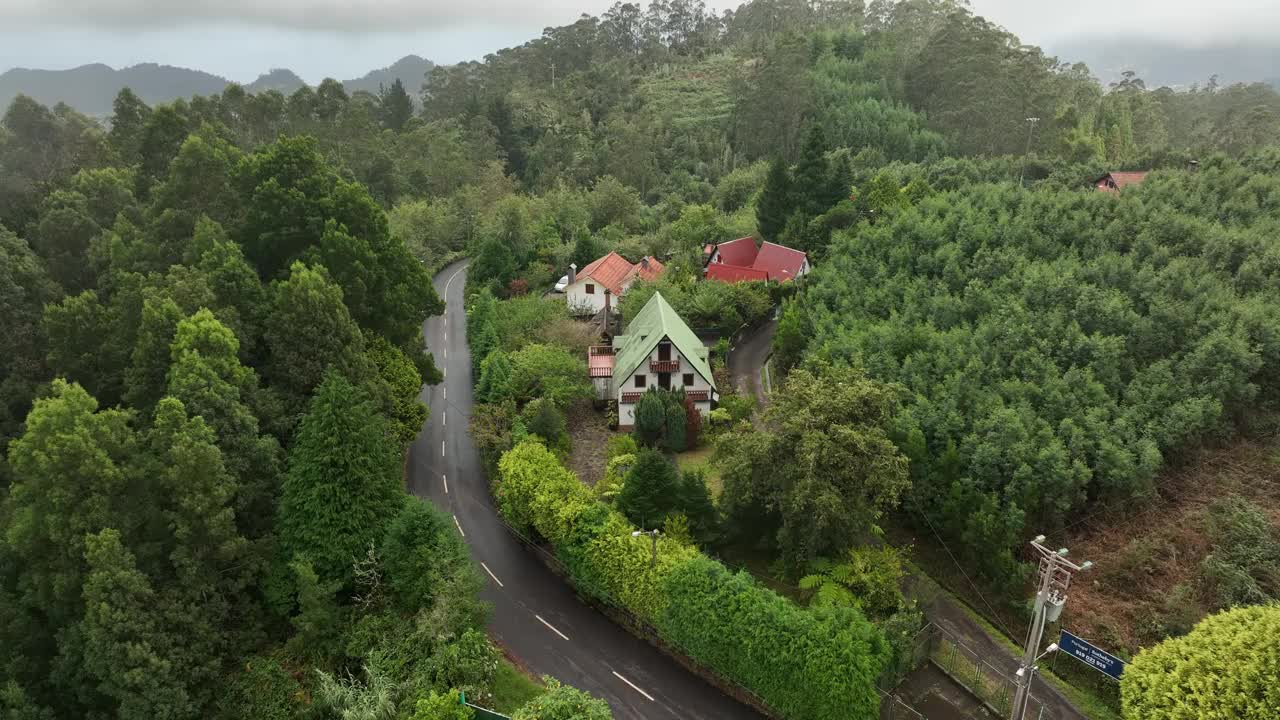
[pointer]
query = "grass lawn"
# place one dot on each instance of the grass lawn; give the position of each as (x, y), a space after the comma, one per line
(701, 459)
(512, 688)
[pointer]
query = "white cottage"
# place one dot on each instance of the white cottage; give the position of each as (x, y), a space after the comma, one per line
(600, 284)
(658, 350)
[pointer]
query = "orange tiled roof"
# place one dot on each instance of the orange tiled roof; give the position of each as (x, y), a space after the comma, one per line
(1118, 180)
(613, 270)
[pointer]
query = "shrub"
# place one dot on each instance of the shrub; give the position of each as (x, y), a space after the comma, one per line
(562, 702)
(536, 493)
(542, 371)
(805, 663)
(1225, 668)
(543, 419)
(692, 424)
(423, 558)
(817, 663)
(619, 445)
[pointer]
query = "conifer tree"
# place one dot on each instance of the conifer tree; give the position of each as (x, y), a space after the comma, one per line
(674, 430)
(650, 416)
(495, 378)
(775, 203)
(649, 492)
(395, 106)
(207, 377)
(810, 186)
(342, 485)
(125, 644)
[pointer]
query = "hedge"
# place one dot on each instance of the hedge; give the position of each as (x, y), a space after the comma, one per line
(817, 664)
(1227, 667)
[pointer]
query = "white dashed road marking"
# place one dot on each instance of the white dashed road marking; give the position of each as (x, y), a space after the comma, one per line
(445, 478)
(551, 627)
(441, 448)
(495, 577)
(633, 686)
(459, 526)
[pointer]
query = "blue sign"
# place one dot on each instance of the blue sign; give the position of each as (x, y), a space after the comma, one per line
(1084, 651)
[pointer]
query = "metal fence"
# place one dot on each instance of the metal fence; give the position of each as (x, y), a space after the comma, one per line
(993, 685)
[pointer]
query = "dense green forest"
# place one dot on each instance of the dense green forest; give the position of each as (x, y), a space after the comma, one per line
(212, 311)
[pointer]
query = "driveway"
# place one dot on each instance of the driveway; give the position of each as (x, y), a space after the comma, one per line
(747, 359)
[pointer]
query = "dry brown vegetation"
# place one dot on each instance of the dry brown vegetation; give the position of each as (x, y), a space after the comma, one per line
(1150, 580)
(589, 431)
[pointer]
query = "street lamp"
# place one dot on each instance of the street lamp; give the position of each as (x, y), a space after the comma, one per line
(1055, 578)
(653, 562)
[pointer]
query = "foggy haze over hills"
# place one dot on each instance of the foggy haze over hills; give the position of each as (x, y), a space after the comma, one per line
(165, 51)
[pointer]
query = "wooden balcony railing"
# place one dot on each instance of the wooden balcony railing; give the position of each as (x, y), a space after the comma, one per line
(664, 366)
(698, 395)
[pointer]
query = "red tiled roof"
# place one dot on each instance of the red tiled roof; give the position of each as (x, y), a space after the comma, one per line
(734, 273)
(780, 262)
(1118, 180)
(740, 252)
(649, 270)
(613, 270)
(610, 271)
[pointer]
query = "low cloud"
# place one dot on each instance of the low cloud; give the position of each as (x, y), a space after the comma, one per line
(354, 16)
(1187, 22)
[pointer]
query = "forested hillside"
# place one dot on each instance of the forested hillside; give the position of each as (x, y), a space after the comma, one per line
(212, 316)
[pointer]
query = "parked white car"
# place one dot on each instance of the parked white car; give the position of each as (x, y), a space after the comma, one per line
(561, 284)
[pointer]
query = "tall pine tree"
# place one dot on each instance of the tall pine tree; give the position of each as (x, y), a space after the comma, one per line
(395, 106)
(774, 205)
(342, 485)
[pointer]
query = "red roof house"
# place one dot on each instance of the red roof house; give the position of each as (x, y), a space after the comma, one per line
(589, 289)
(740, 260)
(735, 273)
(1116, 181)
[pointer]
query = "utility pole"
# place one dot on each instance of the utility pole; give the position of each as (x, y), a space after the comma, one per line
(553, 76)
(1055, 578)
(1031, 128)
(653, 562)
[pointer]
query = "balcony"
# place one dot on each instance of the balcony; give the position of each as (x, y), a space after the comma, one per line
(664, 366)
(698, 395)
(630, 397)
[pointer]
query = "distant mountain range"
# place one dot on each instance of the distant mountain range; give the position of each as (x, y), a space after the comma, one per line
(1160, 63)
(92, 88)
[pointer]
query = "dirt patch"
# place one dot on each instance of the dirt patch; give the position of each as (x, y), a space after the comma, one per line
(1148, 562)
(588, 431)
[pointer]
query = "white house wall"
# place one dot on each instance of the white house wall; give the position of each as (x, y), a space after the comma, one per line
(626, 416)
(577, 298)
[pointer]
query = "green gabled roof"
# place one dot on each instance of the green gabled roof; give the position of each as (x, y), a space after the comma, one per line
(655, 321)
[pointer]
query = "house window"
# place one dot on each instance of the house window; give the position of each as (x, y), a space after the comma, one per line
(640, 381)
(664, 352)
(688, 379)
(591, 289)
(664, 381)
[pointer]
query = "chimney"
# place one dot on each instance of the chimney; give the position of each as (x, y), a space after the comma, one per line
(573, 273)
(644, 263)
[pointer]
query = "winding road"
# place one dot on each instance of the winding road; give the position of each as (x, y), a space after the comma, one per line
(536, 616)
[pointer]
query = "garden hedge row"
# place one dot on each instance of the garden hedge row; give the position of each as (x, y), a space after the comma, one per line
(804, 663)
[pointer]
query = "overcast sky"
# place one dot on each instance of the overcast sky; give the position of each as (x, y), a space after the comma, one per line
(240, 39)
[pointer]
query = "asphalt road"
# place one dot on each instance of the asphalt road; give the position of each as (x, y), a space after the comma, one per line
(536, 616)
(747, 358)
